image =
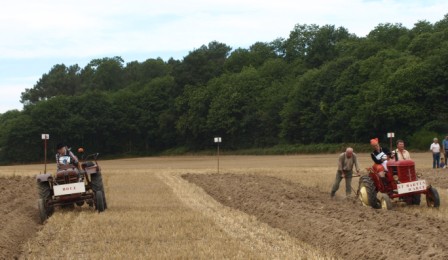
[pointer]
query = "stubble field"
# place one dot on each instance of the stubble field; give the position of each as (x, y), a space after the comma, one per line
(261, 207)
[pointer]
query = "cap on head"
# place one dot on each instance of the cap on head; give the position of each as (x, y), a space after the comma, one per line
(374, 141)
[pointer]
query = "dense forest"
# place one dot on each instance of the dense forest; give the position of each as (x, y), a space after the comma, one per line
(320, 85)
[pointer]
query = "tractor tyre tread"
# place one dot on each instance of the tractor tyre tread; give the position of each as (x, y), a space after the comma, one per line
(367, 182)
(97, 185)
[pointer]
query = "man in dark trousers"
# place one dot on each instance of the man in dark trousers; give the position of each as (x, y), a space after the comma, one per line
(346, 162)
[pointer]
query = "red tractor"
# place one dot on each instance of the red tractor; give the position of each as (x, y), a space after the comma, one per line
(70, 186)
(403, 185)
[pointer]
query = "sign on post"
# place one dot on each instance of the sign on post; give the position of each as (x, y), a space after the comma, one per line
(390, 135)
(45, 137)
(218, 141)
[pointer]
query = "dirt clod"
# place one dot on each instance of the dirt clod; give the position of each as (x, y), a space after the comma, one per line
(18, 214)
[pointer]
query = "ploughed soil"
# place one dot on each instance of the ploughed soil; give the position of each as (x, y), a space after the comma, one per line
(19, 219)
(342, 227)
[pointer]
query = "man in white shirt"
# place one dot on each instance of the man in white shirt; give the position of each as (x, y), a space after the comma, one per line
(435, 149)
(400, 153)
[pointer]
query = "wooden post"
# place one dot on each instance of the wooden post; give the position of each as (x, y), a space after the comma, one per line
(45, 137)
(217, 141)
(218, 157)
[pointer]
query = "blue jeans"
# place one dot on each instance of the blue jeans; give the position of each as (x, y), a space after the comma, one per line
(435, 160)
(446, 156)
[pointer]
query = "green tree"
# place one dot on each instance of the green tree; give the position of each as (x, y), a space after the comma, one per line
(103, 74)
(202, 64)
(61, 80)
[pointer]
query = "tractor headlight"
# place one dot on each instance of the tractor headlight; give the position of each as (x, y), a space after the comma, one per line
(395, 177)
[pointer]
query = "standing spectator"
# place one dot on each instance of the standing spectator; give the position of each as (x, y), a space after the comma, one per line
(345, 170)
(400, 153)
(445, 147)
(435, 149)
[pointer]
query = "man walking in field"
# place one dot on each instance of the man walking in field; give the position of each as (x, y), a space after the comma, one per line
(346, 162)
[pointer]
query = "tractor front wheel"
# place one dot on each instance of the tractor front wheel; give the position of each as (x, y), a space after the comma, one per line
(97, 185)
(367, 192)
(385, 201)
(99, 201)
(432, 197)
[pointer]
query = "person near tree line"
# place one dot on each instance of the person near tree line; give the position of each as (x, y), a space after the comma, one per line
(435, 149)
(445, 148)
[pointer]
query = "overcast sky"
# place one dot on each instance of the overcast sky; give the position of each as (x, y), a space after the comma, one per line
(36, 35)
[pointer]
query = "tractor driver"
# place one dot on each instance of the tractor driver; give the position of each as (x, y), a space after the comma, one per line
(64, 156)
(380, 155)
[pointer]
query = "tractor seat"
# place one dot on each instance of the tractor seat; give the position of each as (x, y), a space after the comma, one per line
(67, 175)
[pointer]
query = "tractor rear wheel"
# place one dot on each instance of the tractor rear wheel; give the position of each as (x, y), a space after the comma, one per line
(385, 201)
(97, 185)
(367, 192)
(99, 201)
(42, 210)
(432, 197)
(45, 195)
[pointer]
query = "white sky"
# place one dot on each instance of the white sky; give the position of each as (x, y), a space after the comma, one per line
(35, 35)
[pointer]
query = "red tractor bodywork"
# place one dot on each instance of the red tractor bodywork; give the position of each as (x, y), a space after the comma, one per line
(404, 170)
(70, 186)
(400, 173)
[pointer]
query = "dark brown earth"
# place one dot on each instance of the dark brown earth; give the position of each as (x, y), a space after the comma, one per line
(18, 214)
(343, 228)
(437, 177)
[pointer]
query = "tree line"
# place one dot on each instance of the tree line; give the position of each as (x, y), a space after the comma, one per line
(322, 84)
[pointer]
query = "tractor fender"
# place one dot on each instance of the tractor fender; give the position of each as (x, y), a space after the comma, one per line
(93, 171)
(43, 177)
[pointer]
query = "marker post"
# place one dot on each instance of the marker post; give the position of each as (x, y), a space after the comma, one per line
(45, 137)
(391, 135)
(218, 141)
